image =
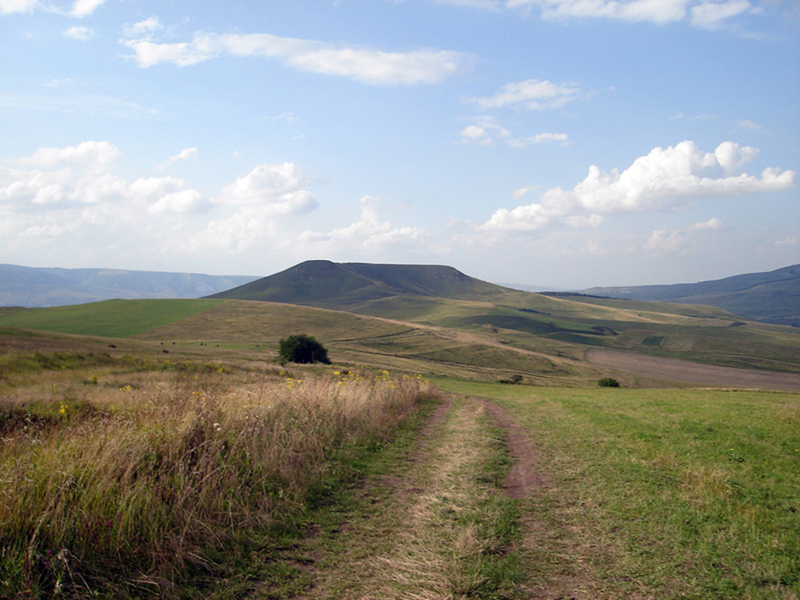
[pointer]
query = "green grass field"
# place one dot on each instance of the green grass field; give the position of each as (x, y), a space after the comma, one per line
(647, 493)
(112, 318)
(664, 493)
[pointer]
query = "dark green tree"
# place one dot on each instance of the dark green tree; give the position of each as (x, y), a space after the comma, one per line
(608, 382)
(302, 348)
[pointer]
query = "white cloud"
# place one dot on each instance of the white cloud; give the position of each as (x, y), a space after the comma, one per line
(664, 240)
(712, 15)
(487, 130)
(98, 154)
(12, 6)
(484, 131)
(522, 191)
(532, 94)
(182, 202)
(366, 65)
(703, 14)
(79, 33)
(368, 234)
(475, 133)
(83, 8)
(662, 180)
(745, 124)
(59, 195)
(149, 25)
(184, 154)
(712, 224)
(539, 138)
(655, 11)
(274, 189)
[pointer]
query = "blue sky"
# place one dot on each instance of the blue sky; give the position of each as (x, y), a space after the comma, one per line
(559, 143)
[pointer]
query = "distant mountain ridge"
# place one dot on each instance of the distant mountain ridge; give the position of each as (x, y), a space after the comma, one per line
(326, 284)
(34, 287)
(771, 297)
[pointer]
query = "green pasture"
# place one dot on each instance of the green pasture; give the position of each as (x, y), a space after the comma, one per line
(111, 318)
(665, 493)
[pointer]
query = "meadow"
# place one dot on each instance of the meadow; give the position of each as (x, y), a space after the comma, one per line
(660, 493)
(138, 476)
(158, 449)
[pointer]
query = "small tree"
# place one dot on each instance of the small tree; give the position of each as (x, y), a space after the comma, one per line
(608, 382)
(302, 348)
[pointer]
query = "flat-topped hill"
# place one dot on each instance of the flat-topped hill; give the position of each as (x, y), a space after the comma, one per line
(344, 286)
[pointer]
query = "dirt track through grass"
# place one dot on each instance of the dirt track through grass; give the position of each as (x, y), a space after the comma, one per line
(438, 526)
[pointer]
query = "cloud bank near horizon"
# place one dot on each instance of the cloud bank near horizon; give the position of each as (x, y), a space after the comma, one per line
(662, 180)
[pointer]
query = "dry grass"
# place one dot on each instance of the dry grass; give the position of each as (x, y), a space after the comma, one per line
(446, 530)
(116, 483)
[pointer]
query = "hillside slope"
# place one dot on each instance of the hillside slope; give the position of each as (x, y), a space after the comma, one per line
(346, 286)
(772, 297)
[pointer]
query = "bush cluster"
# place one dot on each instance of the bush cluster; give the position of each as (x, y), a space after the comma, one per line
(302, 349)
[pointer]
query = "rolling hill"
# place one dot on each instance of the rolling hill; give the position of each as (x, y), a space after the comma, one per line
(772, 297)
(348, 286)
(442, 297)
(32, 287)
(431, 319)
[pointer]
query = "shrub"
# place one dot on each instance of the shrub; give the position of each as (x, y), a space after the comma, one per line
(302, 348)
(608, 382)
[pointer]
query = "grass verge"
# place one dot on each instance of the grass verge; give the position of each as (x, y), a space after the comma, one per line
(661, 493)
(163, 487)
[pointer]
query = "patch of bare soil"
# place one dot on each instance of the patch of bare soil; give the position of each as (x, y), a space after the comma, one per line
(685, 371)
(523, 477)
(572, 577)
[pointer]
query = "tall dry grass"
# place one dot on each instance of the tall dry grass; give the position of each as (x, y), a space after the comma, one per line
(120, 500)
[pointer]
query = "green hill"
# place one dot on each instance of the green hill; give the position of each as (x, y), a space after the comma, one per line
(429, 319)
(348, 286)
(772, 297)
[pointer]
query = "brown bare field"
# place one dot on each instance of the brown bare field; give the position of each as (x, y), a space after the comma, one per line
(654, 367)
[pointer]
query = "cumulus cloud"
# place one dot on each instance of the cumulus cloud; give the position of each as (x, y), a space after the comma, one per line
(78, 33)
(87, 154)
(276, 190)
(487, 130)
(184, 154)
(662, 180)
(368, 234)
(143, 29)
(366, 65)
(57, 195)
(532, 94)
(12, 6)
(712, 15)
(83, 8)
(67, 179)
(664, 240)
(522, 191)
(712, 224)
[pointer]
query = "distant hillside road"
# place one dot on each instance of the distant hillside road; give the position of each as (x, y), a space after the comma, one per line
(681, 370)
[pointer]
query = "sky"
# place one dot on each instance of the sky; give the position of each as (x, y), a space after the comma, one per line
(556, 143)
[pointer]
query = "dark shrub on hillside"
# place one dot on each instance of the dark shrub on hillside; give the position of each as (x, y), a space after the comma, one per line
(608, 382)
(302, 348)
